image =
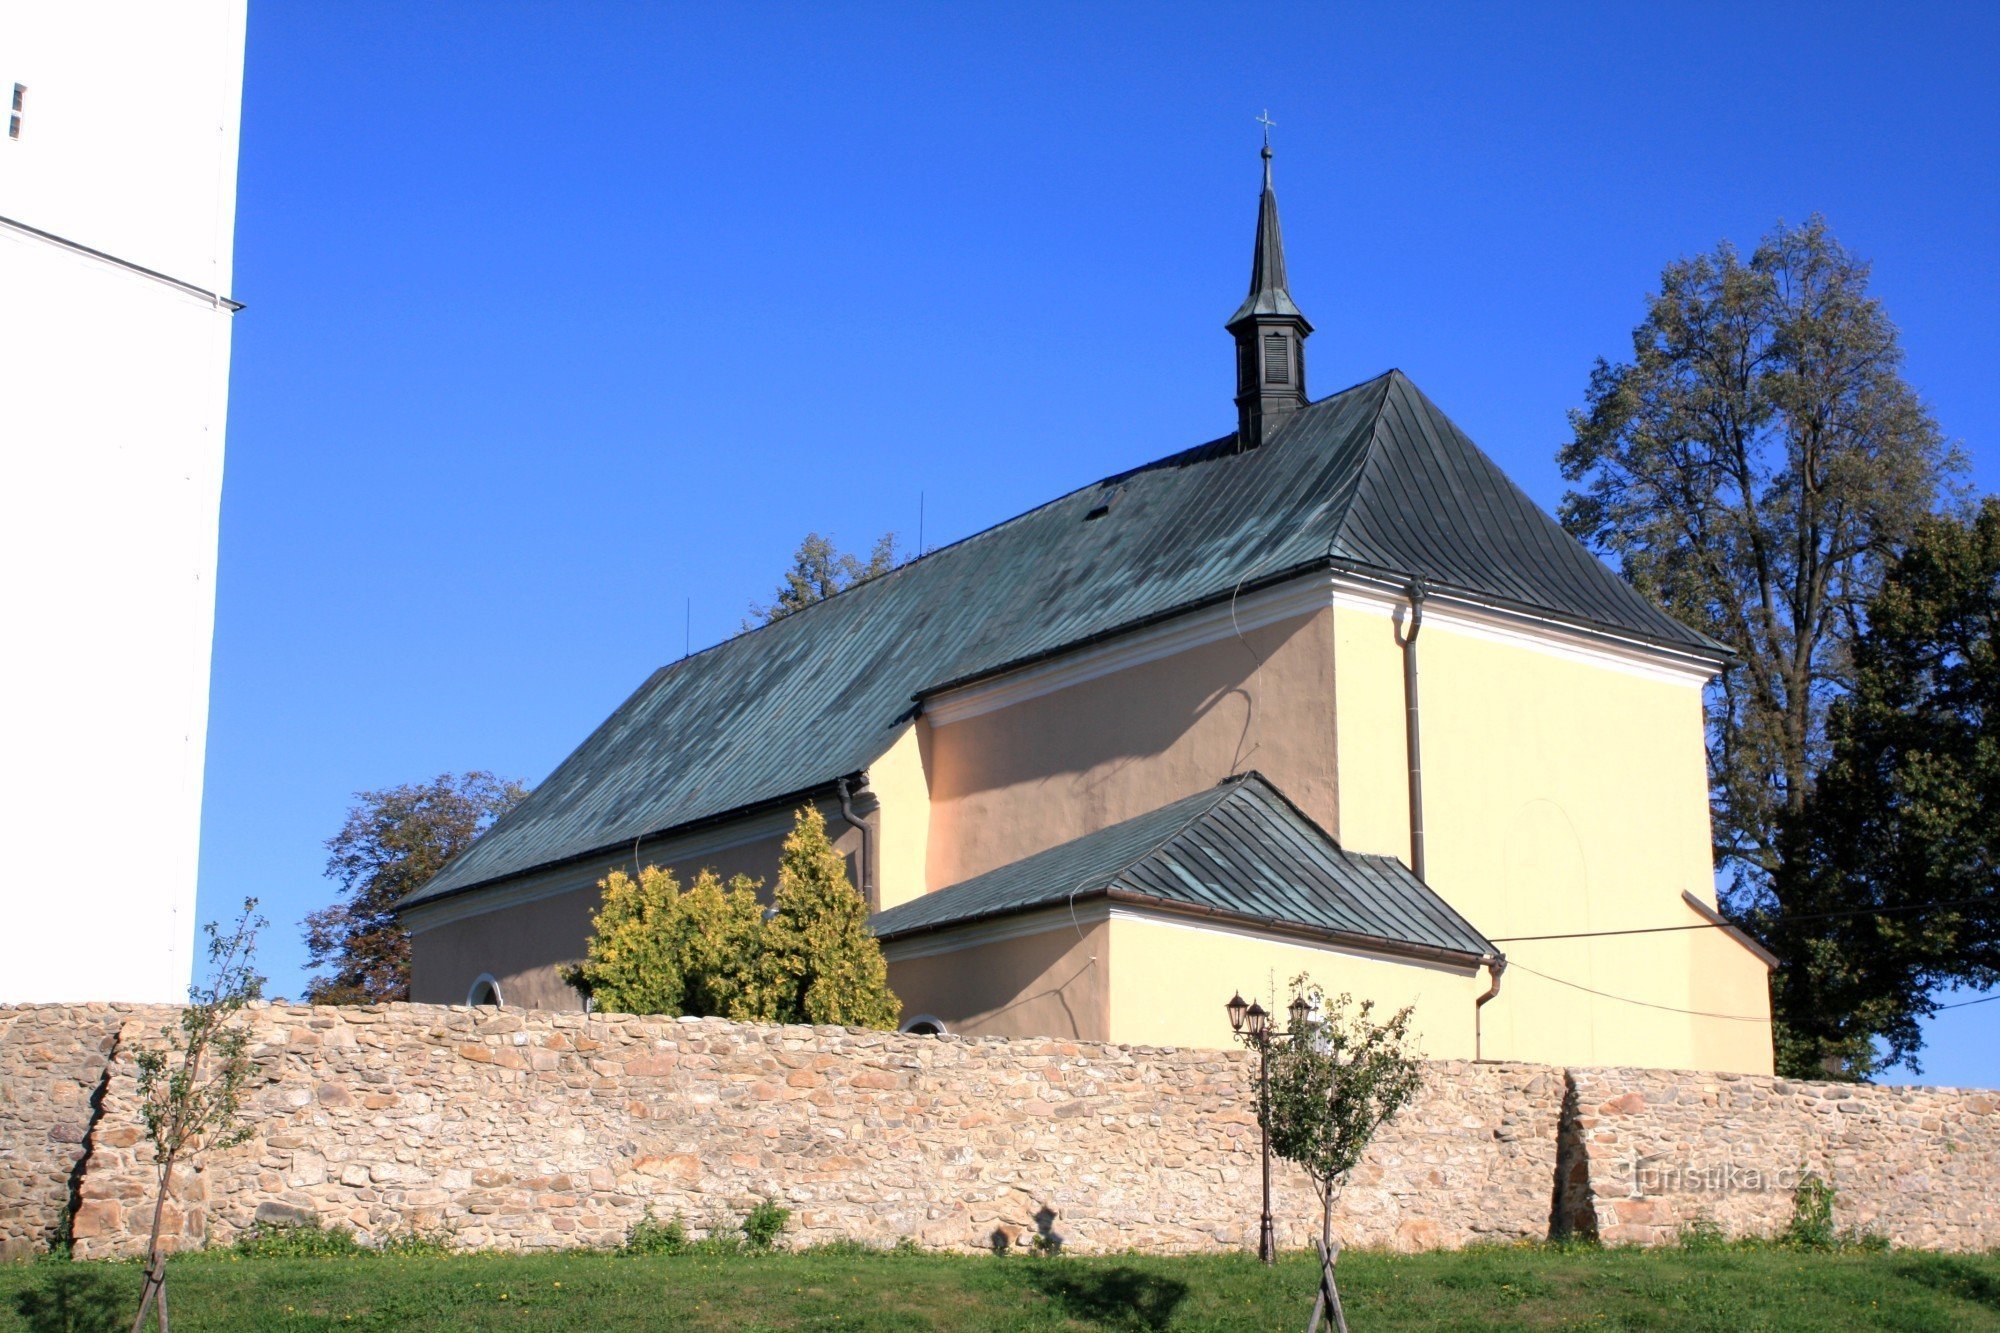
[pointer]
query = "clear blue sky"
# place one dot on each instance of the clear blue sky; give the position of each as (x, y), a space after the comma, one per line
(559, 315)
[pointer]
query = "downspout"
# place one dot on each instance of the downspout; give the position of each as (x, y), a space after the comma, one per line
(867, 858)
(1413, 736)
(1496, 963)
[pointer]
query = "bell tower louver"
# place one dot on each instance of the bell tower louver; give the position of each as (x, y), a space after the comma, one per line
(1270, 332)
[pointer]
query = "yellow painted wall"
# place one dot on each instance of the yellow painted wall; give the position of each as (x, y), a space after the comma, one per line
(1049, 984)
(1561, 795)
(1012, 782)
(1170, 981)
(901, 781)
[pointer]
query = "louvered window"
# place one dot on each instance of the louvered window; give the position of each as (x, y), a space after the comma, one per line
(1277, 361)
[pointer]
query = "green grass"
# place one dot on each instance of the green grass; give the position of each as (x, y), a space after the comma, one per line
(1534, 1287)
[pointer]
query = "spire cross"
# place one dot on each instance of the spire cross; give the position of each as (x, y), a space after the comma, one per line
(1268, 124)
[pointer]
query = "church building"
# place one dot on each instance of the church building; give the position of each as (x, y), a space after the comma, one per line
(1327, 695)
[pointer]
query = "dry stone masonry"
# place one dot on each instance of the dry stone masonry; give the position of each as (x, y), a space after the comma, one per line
(53, 1061)
(523, 1130)
(1661, 1149)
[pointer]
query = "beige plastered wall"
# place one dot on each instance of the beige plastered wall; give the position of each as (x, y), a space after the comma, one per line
(1051, 983)
(1561, 796)
(1173, 978)
(539, 922)
(1023, 778)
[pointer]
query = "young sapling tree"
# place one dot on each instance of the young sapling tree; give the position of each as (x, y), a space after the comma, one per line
(191, 1092)
(1339, 1077)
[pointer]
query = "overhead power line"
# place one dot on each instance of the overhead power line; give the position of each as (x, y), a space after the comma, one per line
(1643, 1004)
(1738, 925)
(1728, 925)
(1699, 1013)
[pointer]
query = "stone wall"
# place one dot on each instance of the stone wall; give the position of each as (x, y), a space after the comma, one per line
(1658, 1149)
(53, 1060)
(522, 1130)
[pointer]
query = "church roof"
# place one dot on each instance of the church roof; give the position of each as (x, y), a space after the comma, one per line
(1373, 480)
(1237, 852)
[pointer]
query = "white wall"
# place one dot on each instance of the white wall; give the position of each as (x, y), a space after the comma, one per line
(113, 399)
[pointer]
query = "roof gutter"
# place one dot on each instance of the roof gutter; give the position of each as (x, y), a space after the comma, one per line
(816, 792)
(1122, 628)
(1392, 580)
(1714, 657)
(1430, 953)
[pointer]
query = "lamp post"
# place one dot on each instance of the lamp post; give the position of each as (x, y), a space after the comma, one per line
(1255, 1022)
(1253, 1019)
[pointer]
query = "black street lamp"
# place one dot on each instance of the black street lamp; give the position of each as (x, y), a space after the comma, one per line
(1256, 1021)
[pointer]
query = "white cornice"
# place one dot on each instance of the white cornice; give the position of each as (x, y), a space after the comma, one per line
(1208, 624)
(1303, 596)
(1456, 614)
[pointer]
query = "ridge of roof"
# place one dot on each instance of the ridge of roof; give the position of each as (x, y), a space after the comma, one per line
(1197, 453)
(1372, 477)
(1476, 511)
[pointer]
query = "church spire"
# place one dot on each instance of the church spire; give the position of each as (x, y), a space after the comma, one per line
(1270, 332)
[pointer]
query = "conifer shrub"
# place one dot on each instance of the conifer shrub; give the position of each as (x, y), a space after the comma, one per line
(712, 951)
(830, 969)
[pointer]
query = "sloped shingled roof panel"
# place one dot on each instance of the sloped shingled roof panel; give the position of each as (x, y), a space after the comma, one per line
(1239, 851)
(1375, 478)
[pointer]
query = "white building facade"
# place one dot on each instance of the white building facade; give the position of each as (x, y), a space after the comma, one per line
(117, 221)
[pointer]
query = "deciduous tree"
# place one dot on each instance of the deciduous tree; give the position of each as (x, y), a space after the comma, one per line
(1891, 878)
(1336, 1079)
(191, 1086)
(393, 842)
(1753, 468)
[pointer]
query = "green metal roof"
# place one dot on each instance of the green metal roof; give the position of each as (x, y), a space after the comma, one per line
(1239, 851)
(1373, 479)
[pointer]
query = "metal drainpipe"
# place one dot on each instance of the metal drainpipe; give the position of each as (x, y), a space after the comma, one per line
(1412, 729)
(1496, 963)
(867, 846)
